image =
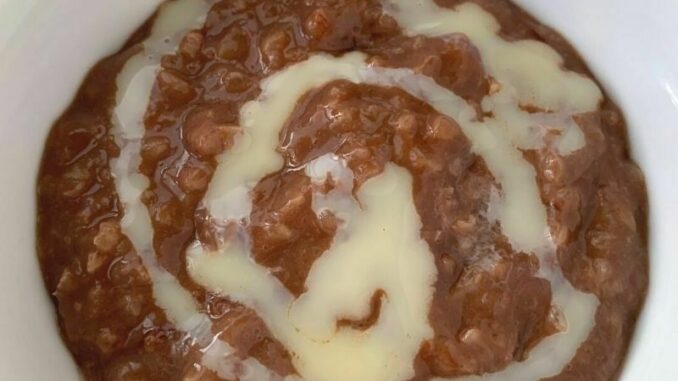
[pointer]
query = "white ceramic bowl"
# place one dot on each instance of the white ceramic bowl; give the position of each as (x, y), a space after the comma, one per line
(47, 46)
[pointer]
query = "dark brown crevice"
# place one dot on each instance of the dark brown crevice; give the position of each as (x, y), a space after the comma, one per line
(364, 323)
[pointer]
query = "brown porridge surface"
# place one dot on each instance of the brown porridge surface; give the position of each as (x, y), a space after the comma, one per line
(484, 318)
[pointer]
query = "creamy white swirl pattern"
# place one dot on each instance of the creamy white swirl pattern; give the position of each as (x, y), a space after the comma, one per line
(378, 247)
(135, 83)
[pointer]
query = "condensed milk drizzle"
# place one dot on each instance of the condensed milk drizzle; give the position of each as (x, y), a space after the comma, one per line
(378, 245)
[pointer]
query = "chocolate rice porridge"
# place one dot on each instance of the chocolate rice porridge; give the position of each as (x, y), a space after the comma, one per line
(343, 190)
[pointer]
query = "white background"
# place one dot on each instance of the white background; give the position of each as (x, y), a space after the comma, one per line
(631, 45)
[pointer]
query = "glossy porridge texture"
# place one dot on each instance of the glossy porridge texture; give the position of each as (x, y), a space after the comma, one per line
(490, 305)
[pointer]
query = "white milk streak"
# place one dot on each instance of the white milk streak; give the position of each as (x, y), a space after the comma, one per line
(529, 73)
(135, 83)
(254, 155)
(377, 248)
